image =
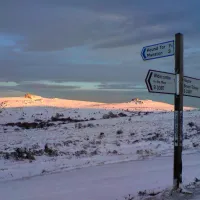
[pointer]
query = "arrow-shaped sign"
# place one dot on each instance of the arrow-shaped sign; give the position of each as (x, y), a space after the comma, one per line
(191, 87)
(164, 82)
(159, 50)
(160, 82)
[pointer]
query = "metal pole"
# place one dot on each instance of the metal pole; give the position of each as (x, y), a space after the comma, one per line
(178, 111)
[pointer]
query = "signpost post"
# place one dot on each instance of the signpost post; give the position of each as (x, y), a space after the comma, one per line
(178, 111)
(176, 84)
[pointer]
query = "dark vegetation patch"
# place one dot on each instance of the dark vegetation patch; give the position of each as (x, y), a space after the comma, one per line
(29, 154)
(30, 125)
(111, 115)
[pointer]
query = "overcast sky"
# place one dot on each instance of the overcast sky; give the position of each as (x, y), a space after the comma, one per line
(93, 40)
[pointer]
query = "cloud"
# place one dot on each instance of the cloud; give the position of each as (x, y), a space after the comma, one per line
(121, 86)
(45, 86)
(56, 25)
(150, 26)
(35, 87)
(49, 27)
(92, 40)
(44, 28)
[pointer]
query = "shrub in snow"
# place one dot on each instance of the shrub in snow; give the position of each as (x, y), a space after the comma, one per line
(95, 142)
(148, 193)
(94, 153)
(142, 193)
(92, 119)
(78, 125)
(20, 154)
(49, 151)
(101, 135)
(81, 152)
(110, 115)
(58, 115)
(196, 180)
(145, 153)
(136, 141)
(115, 152)
(37, 120)
(106, 116)
(122, 115)
(193, 185)
(98, 142)
(35, 146)
(85, 146)
(119, 132)
(195, 144)
(66, 143)
(191, 124)
(139, 151)
(118, 144)
(43, 171)
(129, 197)
(22, 118)
(87, 138)
(90, 125)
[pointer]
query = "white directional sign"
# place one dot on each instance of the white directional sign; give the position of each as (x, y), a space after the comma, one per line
(160, 50)
(160, 82)
(191, 87)
(164, 82)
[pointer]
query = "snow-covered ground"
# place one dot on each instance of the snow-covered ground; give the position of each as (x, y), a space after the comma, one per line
(42, 136)
(106, 182)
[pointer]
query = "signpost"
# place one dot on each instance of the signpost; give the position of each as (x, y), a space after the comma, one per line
(159, 50)
(176, 84)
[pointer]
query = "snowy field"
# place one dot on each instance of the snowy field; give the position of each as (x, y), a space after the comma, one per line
(41, 137)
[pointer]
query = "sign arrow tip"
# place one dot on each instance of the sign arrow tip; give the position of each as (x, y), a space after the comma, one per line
(143, 53)
(149, 82)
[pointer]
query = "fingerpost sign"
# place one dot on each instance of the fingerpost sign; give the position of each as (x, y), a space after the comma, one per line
(176, 84)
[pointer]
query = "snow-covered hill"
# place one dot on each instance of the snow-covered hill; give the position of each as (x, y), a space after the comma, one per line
(40, 135)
